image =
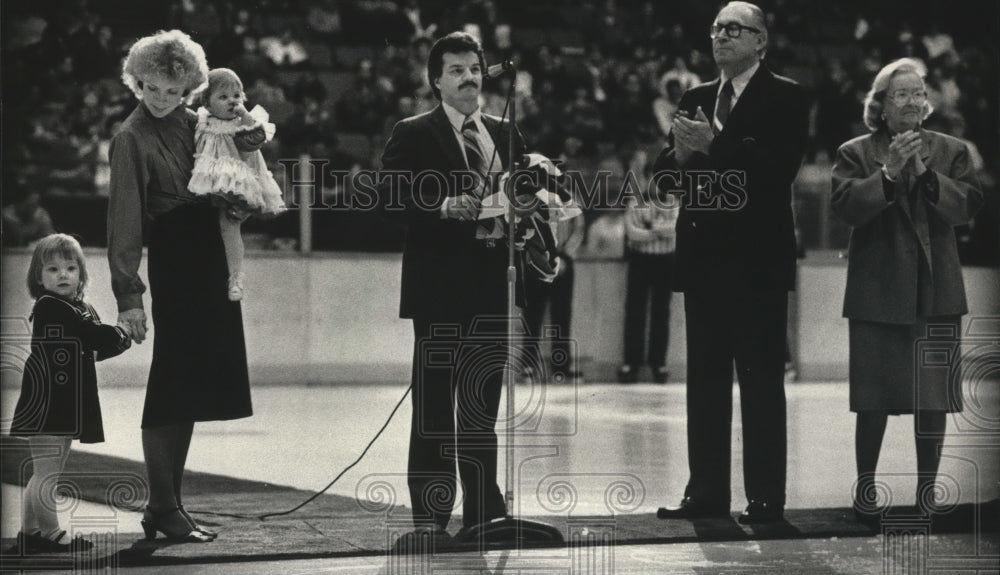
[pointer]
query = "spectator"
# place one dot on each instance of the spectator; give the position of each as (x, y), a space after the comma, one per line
(284, 51)
(666, 105)
(96, 56)
(420, 30)
(650, 239)
(308, 85)
(684, 77)
(943, 92)
(308, 125)
(250, 64)
(631, 112)
(837, 109)
(25, 221)
(582, 119)
(265, 93)
(556, 297)
(363, 107)
(324, 18)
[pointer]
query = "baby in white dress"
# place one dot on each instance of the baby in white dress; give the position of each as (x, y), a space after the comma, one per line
(229, 166)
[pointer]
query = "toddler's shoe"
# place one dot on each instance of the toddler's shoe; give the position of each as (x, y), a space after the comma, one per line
(236, 286)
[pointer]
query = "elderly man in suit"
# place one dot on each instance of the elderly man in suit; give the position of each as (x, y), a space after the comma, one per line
(736, 148)
(437, 168)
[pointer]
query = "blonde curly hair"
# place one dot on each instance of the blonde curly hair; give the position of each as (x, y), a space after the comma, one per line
(167, 54)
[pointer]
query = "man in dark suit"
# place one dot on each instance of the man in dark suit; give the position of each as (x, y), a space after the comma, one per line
(736, 148)
(436, 175)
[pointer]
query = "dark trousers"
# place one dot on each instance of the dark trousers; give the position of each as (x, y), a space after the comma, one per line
(648, 284)
(457, 382)
(748, 328)
(558, 296)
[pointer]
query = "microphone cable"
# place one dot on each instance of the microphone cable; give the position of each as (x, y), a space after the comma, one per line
(313, 497)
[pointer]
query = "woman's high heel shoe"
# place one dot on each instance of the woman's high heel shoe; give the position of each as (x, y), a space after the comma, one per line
(153, 521)
(197, 526)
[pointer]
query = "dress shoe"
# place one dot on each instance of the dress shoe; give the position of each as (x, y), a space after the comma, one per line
(627, 374)
(203, 529)
(871, 519)
(425, 539)
(27, 543)
(691, 508)
(761, 511)
(174, 526)
(661, 374)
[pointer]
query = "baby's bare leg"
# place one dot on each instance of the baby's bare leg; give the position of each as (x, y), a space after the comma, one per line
(232, 239)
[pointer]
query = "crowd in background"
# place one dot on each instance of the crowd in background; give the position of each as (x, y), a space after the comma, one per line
(597, 86)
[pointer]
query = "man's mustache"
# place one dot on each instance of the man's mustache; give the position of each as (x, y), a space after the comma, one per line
(469, 83)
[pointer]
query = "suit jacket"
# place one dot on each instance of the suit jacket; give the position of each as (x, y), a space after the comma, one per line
(443, 262)
(749, 245)
(897, 227)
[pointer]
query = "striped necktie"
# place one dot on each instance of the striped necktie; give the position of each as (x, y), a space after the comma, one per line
(477, 164)
(724, 106)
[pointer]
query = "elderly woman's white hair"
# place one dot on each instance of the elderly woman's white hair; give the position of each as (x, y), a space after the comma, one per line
(171, 55)
(875, 99)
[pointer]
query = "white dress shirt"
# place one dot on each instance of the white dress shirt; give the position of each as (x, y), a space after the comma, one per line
(486, 145)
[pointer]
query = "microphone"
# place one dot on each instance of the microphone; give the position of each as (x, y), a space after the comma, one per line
(497, 70)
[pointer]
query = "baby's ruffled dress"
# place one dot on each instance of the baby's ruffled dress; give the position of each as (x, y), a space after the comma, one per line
(234, 177)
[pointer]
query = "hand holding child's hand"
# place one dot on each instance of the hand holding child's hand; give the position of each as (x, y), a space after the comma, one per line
(136, 321)
(126, 327)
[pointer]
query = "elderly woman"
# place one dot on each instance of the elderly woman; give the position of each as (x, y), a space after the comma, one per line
(903, 189)
(199, 368)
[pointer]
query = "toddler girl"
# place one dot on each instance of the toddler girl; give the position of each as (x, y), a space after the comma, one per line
(229, 166)
(58, 401)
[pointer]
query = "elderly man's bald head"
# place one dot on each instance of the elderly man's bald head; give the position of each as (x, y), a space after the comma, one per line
(753, 11)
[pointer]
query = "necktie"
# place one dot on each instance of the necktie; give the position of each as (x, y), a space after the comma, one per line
(477, 164)
(724, 106)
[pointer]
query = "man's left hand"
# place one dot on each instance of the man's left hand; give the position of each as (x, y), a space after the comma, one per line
(695, 134)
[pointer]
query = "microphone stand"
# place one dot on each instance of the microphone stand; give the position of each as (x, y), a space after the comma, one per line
(509, 529)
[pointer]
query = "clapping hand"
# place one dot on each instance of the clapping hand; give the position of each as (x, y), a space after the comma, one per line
(902, 148)
(694, 134)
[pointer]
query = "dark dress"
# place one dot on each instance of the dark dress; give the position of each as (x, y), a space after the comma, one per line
(59, 386)
(199, 369)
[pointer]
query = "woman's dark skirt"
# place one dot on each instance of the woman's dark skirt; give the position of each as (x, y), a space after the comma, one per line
(199, 370)
(896, 368)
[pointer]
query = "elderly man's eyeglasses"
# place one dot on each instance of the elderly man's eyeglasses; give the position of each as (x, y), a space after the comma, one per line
(732, 30)
(901, 97)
